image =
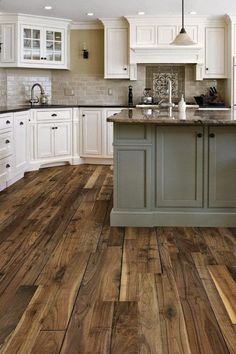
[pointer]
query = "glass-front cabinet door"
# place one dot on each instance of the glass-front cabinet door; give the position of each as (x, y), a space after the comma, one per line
(54, 51)
(32, 50)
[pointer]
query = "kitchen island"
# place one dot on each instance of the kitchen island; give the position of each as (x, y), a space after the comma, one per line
(178, 171)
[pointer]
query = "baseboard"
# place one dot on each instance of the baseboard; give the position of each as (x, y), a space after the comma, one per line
(174, 218)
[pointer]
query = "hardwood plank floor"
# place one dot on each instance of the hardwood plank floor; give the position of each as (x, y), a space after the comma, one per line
(71, 284)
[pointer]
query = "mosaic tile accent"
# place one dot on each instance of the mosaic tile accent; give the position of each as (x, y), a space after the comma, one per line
(157, 78)
(160, 85)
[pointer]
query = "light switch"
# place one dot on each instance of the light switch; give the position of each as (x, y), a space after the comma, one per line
(110, 92)
(69, 92)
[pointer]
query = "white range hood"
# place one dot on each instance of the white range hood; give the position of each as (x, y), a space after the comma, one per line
(166, 54)
(150, 38)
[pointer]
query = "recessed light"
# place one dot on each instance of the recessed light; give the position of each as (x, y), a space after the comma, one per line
(90, 14)
(48, 7)
(193, 13)
(140, 13)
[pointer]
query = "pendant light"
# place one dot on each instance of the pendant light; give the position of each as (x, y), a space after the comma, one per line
(183, 38)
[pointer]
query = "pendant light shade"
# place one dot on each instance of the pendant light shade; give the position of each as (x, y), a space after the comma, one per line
(183, 38)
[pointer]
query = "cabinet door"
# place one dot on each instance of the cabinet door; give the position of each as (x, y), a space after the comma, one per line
(129, 192)
(32, 44)
(179, 167)
(7, 34)
(54, 50)
(215, 52)
(20, 139)
(45, 136)
(63, 141)
(109, 131)
(222, 167)
(116, 53)
(91, 132)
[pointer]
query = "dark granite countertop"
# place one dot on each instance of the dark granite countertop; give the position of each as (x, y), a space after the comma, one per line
(190, 117)
(10, 109)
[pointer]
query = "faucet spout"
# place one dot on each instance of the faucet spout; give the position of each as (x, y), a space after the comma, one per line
(34, 100)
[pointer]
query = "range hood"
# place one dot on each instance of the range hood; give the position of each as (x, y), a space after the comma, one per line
(166, 54)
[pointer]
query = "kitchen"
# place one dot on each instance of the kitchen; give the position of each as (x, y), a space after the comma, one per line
(117, 177)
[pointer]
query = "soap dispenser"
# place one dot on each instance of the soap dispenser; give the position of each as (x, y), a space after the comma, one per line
(182, 104)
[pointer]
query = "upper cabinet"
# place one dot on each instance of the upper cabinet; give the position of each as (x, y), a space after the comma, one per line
(34, 42)
(215, 53)
(116, 50)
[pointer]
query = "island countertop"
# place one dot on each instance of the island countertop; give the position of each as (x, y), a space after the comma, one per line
(190, 117)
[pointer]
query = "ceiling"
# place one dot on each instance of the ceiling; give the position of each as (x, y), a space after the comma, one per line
(77, 9)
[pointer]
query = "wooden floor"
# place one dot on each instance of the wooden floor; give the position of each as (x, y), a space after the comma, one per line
(71, 284)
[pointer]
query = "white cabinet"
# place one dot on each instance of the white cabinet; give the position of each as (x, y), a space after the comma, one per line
(91, 137)
(20, 141)
(116, 49)
(62, 136)
(45, 135)
(34, 42)
(145, 35)
(215, 53)
(109, 131)
(41, 45)
(7, 43)
(116, 53)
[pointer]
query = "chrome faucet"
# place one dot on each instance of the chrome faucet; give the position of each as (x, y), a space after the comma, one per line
(170, 105)
(34, 100)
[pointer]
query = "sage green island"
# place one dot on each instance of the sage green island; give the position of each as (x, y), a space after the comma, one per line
(178, 171)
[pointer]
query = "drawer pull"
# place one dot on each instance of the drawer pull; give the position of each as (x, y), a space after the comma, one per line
(7, 141)
(8, 165)
(21, 123)
(212, 135)
(199, 135)
(54, 115)
(8, 122)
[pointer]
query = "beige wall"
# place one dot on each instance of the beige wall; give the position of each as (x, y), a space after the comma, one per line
(94, 40)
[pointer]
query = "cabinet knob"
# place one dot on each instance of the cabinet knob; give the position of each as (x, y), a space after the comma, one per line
(45, 58)
(8, 122)
(41, 58)
(56, 128)
(8, 165)
(21, 123)
(54, 115)
(199, 135)
(7, 141)
(83, 115)
(53, 128)
(212, 135)
(125, 69)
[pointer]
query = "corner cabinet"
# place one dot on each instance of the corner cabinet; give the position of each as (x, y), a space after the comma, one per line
(215, 53)
(34, 42)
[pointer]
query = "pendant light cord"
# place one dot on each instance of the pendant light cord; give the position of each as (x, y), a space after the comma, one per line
(182, 13)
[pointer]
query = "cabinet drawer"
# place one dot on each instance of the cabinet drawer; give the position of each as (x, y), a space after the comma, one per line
(6, 169)
(6, 144)
(54, 115)
(6, 121)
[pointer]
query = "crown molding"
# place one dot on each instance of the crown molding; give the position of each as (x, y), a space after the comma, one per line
(87, 25)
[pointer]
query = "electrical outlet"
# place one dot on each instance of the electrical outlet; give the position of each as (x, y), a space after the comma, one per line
(110, 92)
(69, 92)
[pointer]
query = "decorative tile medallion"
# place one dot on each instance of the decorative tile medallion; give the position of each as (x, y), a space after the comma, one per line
(157, 79)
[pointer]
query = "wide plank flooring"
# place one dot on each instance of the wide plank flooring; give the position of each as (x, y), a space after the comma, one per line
(71, 284)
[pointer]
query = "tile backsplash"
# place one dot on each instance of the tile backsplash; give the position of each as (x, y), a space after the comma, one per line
(15, 85)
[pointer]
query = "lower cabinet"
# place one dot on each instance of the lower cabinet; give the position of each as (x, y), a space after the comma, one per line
(91, 132)
(54, 139)
(96, 134)
(222, 167)
(20, 141)
(179, 166)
